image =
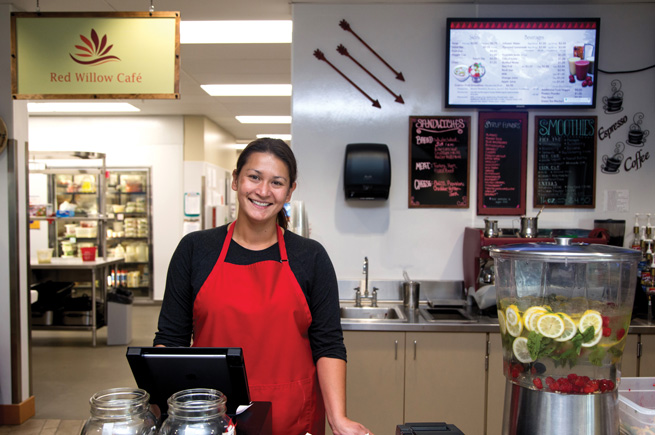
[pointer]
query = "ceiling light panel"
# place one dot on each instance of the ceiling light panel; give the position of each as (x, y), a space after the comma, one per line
(264, 119)
(236, 32)
(80, 107)
(247, 90)
(275, 136)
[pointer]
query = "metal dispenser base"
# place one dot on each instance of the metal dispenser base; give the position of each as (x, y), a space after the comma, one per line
(536, 412)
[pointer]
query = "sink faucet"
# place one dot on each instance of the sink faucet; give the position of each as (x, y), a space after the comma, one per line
(362, 290)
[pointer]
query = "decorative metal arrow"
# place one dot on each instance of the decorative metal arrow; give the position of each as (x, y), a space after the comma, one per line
(344, 51)
(320, 56)
(345, 26)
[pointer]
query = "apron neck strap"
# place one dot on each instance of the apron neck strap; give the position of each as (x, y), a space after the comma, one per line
(230, 232)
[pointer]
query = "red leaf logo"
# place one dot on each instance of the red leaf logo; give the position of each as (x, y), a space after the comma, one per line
(93, 51)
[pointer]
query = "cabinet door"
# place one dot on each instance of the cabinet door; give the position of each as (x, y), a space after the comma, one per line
(495, 386)
(629, 358)
(375, 379)
(445, 379)
(647, 361)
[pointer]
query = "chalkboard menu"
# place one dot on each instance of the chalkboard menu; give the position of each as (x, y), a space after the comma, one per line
(502, 163)
(565, 161)
(439, 161)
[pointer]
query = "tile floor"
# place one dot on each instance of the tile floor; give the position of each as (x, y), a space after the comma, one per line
(67, 371)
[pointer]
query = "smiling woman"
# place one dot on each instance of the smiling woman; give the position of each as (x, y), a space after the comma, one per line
(252, 284)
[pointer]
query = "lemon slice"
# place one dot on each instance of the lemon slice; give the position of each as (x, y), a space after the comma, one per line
(550, 325)
(501, 322)
(533, 321)
(513, 321)
(512, 315)
(515, 330)
(529, 313)
(591, 318)
(594, 341)
(570, 328)
(521, 352)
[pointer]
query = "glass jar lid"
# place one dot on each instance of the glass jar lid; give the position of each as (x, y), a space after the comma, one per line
(564, 251)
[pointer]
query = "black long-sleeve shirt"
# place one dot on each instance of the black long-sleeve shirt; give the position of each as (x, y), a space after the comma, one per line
(195, 257)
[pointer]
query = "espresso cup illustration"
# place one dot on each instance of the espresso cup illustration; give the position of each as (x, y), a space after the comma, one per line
(637, 137)
(581, 69)
(612, 164)
(613, 103)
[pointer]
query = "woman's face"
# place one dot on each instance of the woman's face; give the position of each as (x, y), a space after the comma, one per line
(262, 187)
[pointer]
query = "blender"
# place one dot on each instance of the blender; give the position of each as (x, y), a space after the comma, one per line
(564, 312)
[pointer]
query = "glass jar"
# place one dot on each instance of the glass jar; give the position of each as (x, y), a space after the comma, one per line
(120, 411)
(200, 411)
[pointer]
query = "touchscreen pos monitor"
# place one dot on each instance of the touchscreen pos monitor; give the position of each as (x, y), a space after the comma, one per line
(163, 371)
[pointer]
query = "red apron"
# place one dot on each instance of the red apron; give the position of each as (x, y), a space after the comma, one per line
(262, 309)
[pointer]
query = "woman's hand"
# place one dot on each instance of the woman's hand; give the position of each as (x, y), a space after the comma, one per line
(348, 427)
(332, 377)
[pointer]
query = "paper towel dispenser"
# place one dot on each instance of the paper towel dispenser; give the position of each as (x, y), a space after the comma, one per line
(367, 171)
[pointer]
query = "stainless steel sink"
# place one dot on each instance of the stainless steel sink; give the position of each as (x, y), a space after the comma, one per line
(446, 315)
(374, 314)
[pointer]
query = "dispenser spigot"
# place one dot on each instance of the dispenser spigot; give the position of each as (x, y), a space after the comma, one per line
(636, 225)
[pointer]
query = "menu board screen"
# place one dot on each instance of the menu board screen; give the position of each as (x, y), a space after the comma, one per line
(522, 62)
(439, 161)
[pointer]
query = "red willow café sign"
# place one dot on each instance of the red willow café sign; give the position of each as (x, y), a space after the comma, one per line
(87, 55)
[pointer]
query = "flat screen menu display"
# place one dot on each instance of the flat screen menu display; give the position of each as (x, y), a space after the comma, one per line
(522, 62)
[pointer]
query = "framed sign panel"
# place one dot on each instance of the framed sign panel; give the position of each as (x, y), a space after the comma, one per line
(439, 161)
(502, 163)
(565, 161)
(95, 55)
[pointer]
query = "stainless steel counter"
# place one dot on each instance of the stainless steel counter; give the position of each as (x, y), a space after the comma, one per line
(415, 322)
(71, 269)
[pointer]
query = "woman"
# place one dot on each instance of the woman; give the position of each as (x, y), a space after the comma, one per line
(253, 285)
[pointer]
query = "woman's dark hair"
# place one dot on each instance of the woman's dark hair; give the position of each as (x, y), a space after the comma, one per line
(279, 149)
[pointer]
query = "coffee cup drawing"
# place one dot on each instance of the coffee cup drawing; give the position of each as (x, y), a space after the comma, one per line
(613, 104)
(637, 137)
(612, 164)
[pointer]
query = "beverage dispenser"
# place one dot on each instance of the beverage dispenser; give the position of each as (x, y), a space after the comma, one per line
(564, 312)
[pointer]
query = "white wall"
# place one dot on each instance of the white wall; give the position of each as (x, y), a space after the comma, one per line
(138, 141)
(329, 113)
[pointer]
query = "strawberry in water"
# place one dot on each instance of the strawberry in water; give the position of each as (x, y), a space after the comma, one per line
(620, 334)
(572, 377)
(537, 383)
